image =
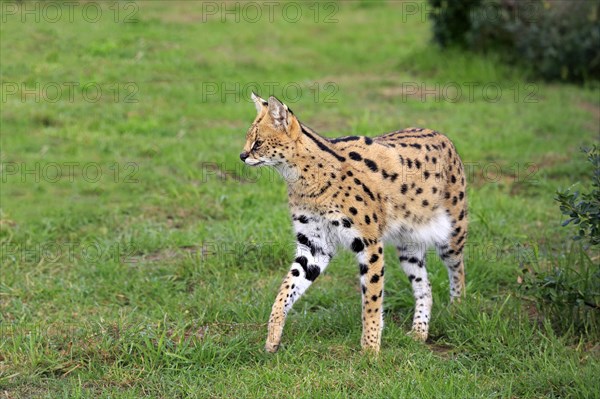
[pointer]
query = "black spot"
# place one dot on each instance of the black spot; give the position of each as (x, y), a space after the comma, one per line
(419, 190)
(295, 272)
(374, 298)
(344, 139)
(302, 261)
(462, 215)
(364, 289)
(454, 200)
(453, 179)
(404, 189)
(374, 278)
(413, 260)
(358, 198)
(302, 239)
(409, 163)
(426, 175)
(368, 192)
(371, 165)
(349, 173)
(374, 258)
(418, 164)
(434, 160)
(353, 210)
(322, 146)
(411, 278)
(418, 280)
(461, 195)
(434, 190)
(346, 222)
(425, 203)
(368, 141)
(312, 272)
(303, 219)
(363, 268)
(335, 223)
(355, 156)
(367, 219)
(375, 218)
(417, 146)
(357, 245)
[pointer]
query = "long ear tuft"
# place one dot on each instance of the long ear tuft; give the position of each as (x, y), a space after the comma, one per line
(279, 112)
(259, 103)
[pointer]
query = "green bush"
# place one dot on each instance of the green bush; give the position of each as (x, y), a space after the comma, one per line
(556, 39)
(568, 293)
(452, 21)
(583, 209)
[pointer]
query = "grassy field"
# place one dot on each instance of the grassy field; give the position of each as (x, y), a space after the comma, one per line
(140, 258)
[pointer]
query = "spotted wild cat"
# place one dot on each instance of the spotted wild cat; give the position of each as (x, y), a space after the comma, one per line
(405, 187)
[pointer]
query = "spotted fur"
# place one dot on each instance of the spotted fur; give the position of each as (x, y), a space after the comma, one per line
(406, 187)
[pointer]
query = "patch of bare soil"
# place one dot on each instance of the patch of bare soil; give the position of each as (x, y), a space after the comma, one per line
(594, 110)
(442, 350)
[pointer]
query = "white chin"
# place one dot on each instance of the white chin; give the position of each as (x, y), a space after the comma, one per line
(253, 162)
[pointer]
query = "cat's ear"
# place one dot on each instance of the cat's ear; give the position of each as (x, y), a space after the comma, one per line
(283, 118)
(280, 114)
(259, 103)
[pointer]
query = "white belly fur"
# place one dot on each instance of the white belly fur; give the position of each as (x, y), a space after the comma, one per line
(437, 230)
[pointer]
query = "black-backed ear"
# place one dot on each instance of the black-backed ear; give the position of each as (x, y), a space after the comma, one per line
(259, 102)
(279, 113)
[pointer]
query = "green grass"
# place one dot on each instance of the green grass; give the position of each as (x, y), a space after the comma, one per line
(157, 279)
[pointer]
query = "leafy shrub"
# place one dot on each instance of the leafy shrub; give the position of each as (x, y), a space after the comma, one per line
(556, 39)
(569, 293)
(452, 20)
(583, 209)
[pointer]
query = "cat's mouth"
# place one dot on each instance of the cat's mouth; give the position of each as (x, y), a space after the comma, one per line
(253, 162)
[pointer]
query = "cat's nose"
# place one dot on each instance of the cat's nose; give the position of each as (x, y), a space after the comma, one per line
(243, 156)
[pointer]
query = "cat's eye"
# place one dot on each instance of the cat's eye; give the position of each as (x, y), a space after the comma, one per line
(257, 144)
